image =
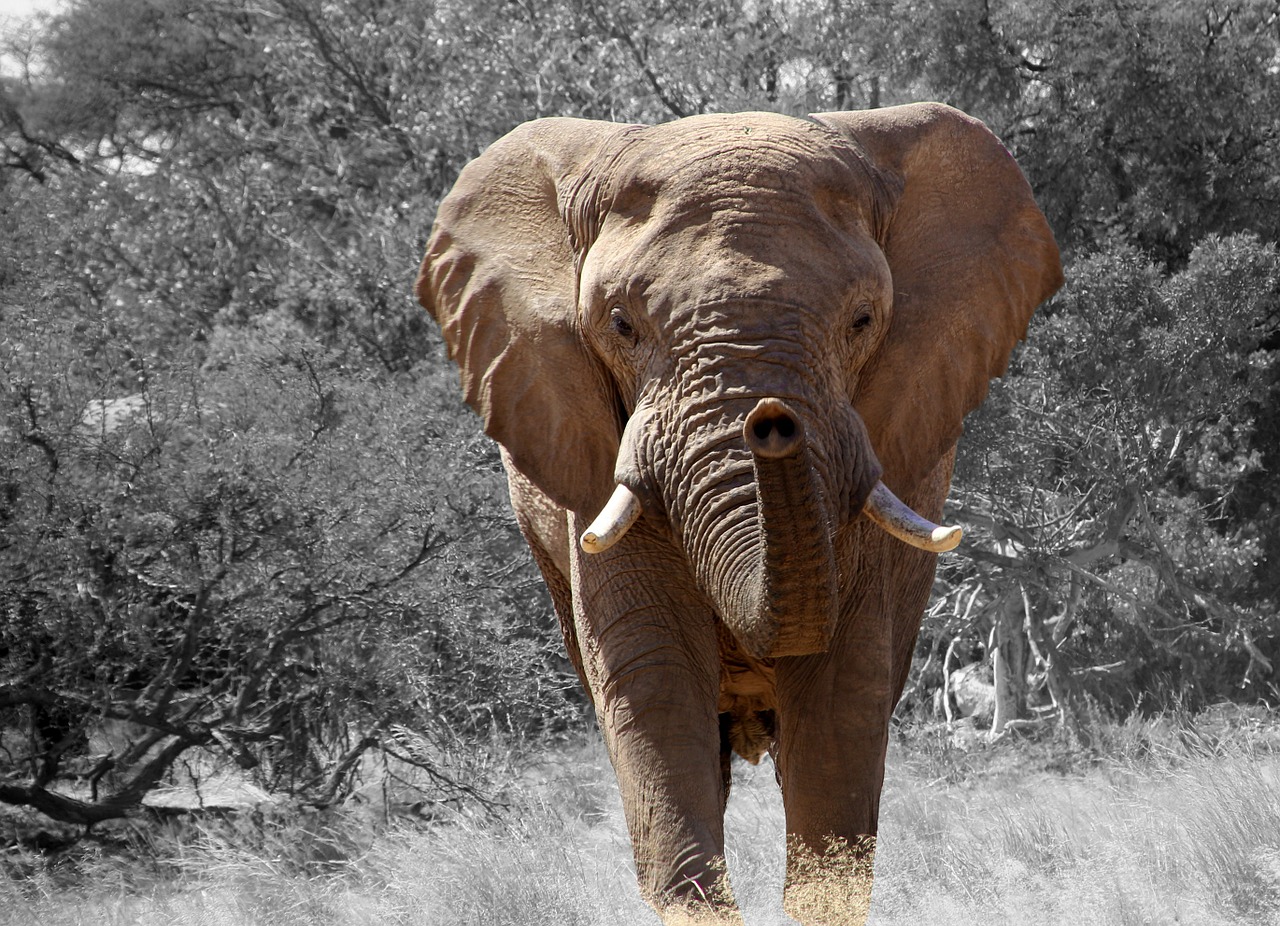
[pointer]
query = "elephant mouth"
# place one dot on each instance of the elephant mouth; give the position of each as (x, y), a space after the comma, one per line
(882, 508)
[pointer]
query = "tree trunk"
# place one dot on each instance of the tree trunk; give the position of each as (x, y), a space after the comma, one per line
(1062, 687)
(1009, 662)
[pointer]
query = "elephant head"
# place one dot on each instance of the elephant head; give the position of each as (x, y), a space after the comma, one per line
(746, 329)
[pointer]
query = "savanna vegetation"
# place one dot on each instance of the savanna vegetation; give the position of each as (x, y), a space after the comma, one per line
(245, 521)
(1176, 826)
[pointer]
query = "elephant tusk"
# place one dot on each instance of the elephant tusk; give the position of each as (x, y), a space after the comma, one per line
(615, 519)
(896, 518)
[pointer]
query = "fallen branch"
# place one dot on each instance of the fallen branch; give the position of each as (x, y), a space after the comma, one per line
(124, 803)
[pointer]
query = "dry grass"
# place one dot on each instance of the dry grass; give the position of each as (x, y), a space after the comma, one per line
(1177, 827)
(1200, 845)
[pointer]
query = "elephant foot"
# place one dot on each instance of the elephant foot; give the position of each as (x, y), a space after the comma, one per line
(831, 887)
(701, 915)
(700, 895)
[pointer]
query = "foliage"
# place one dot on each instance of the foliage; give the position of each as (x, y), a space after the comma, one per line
(1132, 508)
(240, 556)
(1154, 120)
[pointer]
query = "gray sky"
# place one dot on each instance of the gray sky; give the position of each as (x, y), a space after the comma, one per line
(11, 10)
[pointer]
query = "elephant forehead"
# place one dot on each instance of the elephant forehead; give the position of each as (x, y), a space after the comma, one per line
(731, 208)
(736, 254)
(693, 162)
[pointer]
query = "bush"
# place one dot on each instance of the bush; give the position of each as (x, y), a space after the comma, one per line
(1121, 480)
(272, 555)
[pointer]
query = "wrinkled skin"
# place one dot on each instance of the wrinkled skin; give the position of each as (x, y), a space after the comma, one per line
(746, 320)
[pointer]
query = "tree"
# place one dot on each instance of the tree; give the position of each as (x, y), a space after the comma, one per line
(1113, 475)
(1152, 121)
(242, 558)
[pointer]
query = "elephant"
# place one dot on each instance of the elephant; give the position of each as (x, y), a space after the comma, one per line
(727, 359)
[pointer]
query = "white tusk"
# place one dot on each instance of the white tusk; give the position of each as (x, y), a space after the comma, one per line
(615, 519)
(890, 513)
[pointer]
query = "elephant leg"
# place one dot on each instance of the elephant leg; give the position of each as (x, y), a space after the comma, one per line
(648, 644)
(833, 730)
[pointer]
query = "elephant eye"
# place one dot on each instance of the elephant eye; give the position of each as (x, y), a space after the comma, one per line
(619, 323)
(862, 318)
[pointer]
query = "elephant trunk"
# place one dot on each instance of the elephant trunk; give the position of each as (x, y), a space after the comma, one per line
(755, 506)
(778, 594)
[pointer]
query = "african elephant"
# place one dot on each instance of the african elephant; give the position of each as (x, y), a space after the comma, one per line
(707, 348)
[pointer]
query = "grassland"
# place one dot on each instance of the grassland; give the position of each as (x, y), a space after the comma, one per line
(1179, 824)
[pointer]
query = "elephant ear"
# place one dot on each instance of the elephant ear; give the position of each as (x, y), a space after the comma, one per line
(971, 257)
(500, 278)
